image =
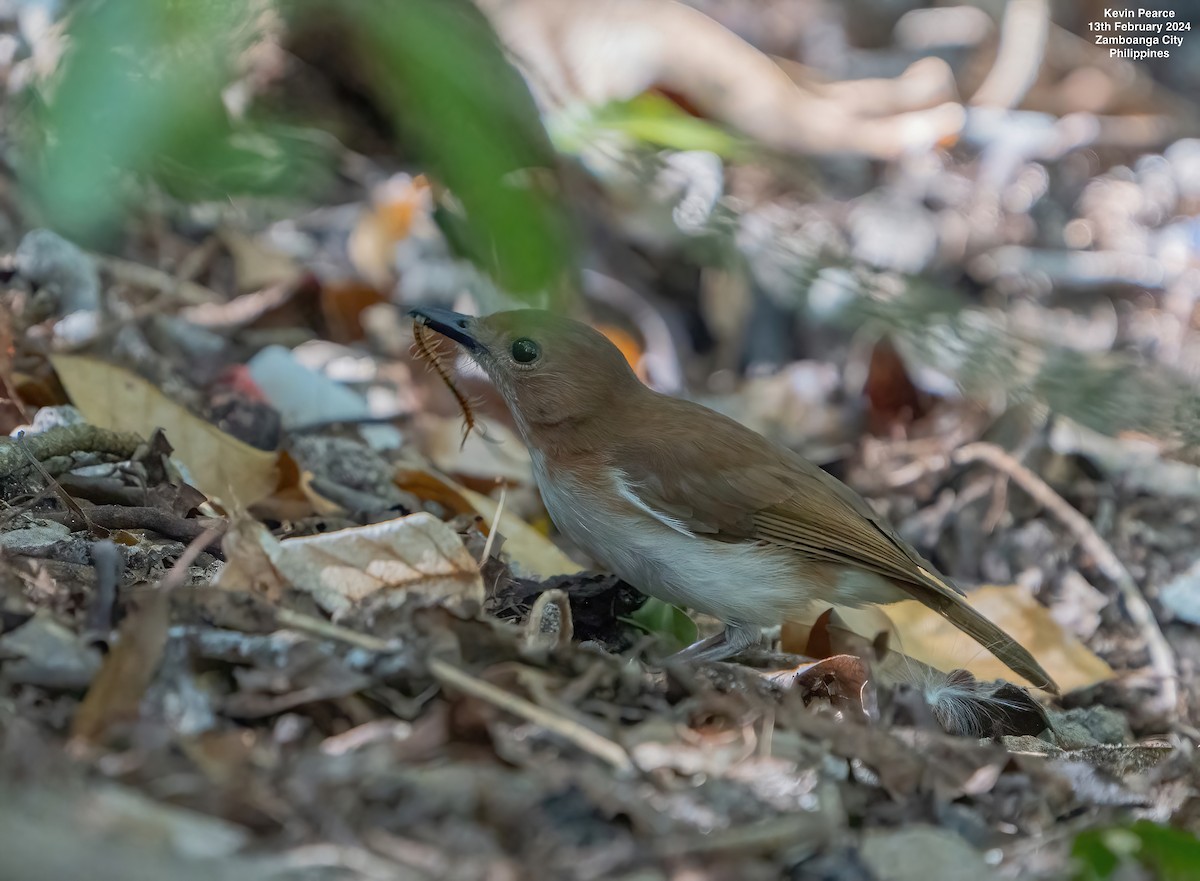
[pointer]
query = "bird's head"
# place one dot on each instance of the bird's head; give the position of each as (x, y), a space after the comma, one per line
(554, 373)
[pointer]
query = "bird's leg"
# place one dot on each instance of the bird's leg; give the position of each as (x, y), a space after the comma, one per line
(733, 639)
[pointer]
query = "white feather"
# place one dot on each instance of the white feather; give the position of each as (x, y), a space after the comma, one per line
(625, 490)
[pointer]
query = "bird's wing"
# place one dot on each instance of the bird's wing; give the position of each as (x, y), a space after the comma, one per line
(731, 485)
(826, 518)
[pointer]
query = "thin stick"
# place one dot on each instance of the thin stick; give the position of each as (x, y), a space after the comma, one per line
(1162, 658)
(124, 517)
(178, 572)
(581, 736)
(429, 353)
(63, 495)
(320, 627)
(487, 545)
(804, 831)
(137, 275)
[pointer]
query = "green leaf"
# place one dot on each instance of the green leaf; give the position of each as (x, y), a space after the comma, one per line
(666, 620)
(139, 94)
(655, 120)
(446, 82)
(1173, 854)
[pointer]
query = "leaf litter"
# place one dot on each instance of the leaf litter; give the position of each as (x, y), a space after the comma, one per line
(240, 642)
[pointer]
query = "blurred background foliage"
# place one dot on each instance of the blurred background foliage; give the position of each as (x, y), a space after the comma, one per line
(142, 96)
(139, 97)
(145, 95)
(1170, 854)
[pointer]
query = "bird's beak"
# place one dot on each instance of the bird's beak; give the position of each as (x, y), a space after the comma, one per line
(453, 325)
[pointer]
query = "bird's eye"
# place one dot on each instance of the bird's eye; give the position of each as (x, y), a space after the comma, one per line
(525, 351)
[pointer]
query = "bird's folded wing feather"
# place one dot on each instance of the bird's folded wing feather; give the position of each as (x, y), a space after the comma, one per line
(737, 488)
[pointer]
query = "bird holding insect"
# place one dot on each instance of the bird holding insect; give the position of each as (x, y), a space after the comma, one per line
(689, 505)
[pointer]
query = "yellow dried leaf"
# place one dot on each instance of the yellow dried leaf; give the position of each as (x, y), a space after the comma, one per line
(927, 637)
(528, 549)
(219, 465)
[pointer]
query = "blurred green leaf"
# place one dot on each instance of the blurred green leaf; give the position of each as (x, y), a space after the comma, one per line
(445, 80)
(657, 120)
(663, 619)
(1172, 854)
(139, 93)
(263, 160)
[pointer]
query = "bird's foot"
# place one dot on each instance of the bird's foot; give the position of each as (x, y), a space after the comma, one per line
(735, 638)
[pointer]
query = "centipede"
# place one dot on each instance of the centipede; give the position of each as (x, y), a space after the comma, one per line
(430, 353)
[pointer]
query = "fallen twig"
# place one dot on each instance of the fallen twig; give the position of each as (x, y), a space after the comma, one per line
(581, 736)
(793, 831)
(240, 311)
(137, 275)
(102, 490)
(63, 496)
(120, 517)
(115, 695)
(320, 627)
(64, 440)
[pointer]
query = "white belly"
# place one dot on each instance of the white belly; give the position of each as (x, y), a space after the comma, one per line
(737, 583)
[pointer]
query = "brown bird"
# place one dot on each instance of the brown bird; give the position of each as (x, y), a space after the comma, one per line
(689, 505)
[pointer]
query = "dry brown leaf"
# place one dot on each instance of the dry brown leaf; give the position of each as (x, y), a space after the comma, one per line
(380, 565)
(13, 411)
(828, 634)
(294, 497)
(843, 680)
(430, 488)
(249, 565)
(960, 703)
(115, 695)
(865, 633)
(630, 347)
(218, 464)
(893, 400)
(343, 304)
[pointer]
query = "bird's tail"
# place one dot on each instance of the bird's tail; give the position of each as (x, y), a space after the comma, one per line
(956, 610)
